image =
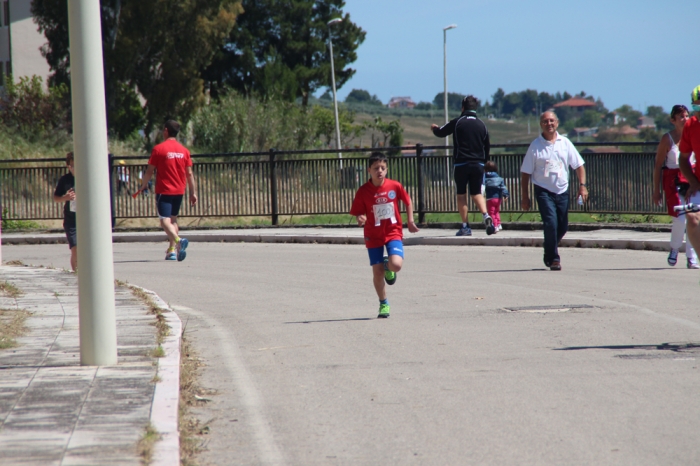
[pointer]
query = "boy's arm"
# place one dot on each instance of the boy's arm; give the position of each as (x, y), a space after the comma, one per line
(409, 218)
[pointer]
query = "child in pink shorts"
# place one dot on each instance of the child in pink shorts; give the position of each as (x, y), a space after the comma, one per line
(496, 192)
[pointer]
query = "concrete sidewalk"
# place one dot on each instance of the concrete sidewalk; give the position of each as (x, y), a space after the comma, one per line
(53, 411)
(601, 238)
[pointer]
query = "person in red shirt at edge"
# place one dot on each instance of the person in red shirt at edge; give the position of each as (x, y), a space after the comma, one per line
(172, 162)
(376, 206)
(689, 143)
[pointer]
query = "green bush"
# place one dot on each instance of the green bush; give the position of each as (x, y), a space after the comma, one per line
(35, 114)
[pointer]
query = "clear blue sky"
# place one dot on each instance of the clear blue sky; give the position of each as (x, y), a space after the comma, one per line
(623, 51)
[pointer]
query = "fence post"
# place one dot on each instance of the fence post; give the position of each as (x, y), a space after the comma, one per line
(110, 157)
(273, 188)
(421, 193)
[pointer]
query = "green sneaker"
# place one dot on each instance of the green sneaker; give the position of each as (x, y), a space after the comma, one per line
(383, 311)
(389, 276)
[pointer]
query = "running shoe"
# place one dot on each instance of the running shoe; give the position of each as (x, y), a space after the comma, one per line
(490, 229)
(181, 246)
(464, 231)
(383, 311)
(171, 256)
(556, 265)
(499, 228)
(389, 276)
(693, 264)
(672, 257)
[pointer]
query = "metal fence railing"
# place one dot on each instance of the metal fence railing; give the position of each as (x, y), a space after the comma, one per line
(274, 184)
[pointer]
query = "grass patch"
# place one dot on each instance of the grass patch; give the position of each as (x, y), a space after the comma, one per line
(8, 290)
(191, 429)
(12, 326)
(147, 442)
(158, 352)
(161, 325)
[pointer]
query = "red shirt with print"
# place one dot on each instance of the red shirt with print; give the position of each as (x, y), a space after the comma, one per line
(381, 206)
(690, 140)
(171, 160)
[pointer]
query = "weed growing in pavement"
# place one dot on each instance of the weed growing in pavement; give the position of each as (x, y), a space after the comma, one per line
(158, 352)
(146, 443)
(8, 290)
(12, 325)
(190, 427)
(14, 262)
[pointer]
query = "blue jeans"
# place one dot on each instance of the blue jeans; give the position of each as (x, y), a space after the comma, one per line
(554, 210)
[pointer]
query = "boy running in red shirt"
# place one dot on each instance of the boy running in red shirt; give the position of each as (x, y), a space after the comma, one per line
(376, 206)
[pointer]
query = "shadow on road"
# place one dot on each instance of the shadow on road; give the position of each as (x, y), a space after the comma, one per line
(500, 271)
(329, 320)
(677, 347)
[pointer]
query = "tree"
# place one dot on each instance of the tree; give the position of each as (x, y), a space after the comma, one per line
(151, 47)
(287, 40)
(454, 101)
(629, 115)
(323, 121)
(424, 106)
(391, 131)
(361, 96)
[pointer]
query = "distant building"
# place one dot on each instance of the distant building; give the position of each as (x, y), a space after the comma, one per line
(646, 122)
(20, 42)
(577, 103)
(401, 102)
(583, 131)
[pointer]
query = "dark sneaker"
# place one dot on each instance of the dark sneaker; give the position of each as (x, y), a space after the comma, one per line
(556, 265)
(464, 231)
(490, 229)
(383, 311)
(181, 246)
(389, 276)
(672, 257)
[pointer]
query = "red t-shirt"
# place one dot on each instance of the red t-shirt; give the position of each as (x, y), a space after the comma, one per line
(171, 160)
(690, 141)
(381, 206)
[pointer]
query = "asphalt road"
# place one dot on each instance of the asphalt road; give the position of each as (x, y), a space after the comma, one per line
(306, 375)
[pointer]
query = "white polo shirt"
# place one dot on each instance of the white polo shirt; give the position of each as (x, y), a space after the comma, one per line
(547, 163)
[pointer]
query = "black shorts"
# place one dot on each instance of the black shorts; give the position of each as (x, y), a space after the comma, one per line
(168, 205)
(471, 174)
(71, 235)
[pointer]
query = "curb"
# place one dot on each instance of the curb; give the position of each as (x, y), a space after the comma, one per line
(649, 245)
(166, 396)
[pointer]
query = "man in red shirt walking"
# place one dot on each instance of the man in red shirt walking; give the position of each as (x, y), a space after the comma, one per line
(171, 160)
(376, 206)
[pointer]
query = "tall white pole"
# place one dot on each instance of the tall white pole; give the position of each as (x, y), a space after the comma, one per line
(98, 330)
(335, 97)
(444, 73)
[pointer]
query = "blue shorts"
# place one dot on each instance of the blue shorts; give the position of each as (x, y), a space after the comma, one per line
(393, 247)
(168, 205)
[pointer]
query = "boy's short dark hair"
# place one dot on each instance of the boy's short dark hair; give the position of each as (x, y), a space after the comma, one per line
(173, 128)
(470, 103)
(490, 166)
(69, 158)
(375, 157)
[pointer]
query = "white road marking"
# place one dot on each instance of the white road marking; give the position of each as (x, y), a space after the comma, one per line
(250, 398)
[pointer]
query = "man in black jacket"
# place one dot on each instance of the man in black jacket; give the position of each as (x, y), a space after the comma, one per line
(471, 152)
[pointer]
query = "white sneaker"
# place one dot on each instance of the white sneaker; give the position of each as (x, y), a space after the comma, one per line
(693, 264)
(499, 227)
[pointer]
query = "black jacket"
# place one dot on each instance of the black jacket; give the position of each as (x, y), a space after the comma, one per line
(471, 138)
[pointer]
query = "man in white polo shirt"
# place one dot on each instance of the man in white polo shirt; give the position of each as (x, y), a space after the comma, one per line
(547, 163)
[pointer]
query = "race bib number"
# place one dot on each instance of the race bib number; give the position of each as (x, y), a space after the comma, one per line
(384, 212)
(71, 206)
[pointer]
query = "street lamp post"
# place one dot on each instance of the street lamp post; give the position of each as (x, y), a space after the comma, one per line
(447, 118)
(335, 97)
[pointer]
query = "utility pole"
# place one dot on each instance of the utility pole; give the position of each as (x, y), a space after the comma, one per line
(97, 319)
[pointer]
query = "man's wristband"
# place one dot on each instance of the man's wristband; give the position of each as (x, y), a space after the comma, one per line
(582, 184)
